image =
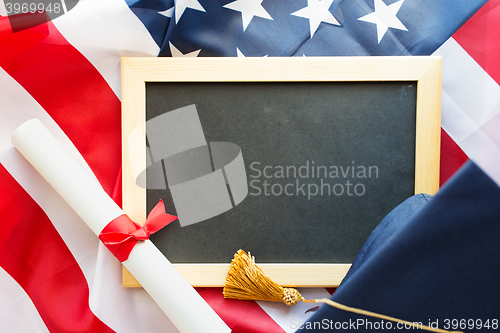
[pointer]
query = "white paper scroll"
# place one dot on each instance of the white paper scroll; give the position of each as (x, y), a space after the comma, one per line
(174, 295)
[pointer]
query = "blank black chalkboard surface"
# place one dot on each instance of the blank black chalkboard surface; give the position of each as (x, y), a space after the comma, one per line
(293, 159)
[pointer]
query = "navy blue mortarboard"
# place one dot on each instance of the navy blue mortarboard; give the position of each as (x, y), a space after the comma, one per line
(432, 260)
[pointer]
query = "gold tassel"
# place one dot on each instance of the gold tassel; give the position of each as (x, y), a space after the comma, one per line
(246, 281)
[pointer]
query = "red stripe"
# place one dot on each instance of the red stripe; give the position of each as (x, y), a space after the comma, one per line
(71, 91)
(34, 254)
(480, 37)
(4, 25)
(452, 157)
(240, 316)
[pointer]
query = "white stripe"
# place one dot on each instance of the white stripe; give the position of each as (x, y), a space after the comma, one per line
(114, 305)
(17, 312)
(471, 107)
(289, 318)
(105, 31)
(471, 96)
(484, 151)
(17, 107)
(3, 11)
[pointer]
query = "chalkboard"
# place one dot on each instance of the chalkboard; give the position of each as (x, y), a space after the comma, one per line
(296, 171)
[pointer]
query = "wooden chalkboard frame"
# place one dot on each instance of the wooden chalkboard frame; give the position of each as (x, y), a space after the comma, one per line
(136, 72)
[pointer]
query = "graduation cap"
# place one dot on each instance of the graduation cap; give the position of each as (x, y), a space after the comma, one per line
(433, 262)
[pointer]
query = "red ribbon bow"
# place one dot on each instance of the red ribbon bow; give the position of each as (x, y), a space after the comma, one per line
(121, 234)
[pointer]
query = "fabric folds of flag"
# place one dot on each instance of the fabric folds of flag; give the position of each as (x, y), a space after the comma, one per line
(67, 74)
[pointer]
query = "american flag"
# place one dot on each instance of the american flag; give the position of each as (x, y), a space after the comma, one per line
(55, 276)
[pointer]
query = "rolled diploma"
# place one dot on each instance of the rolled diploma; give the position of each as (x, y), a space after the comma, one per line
(187, 310)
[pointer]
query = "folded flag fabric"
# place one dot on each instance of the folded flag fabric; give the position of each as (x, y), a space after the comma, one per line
(432, 261)
(316, 28)
(67, 73)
